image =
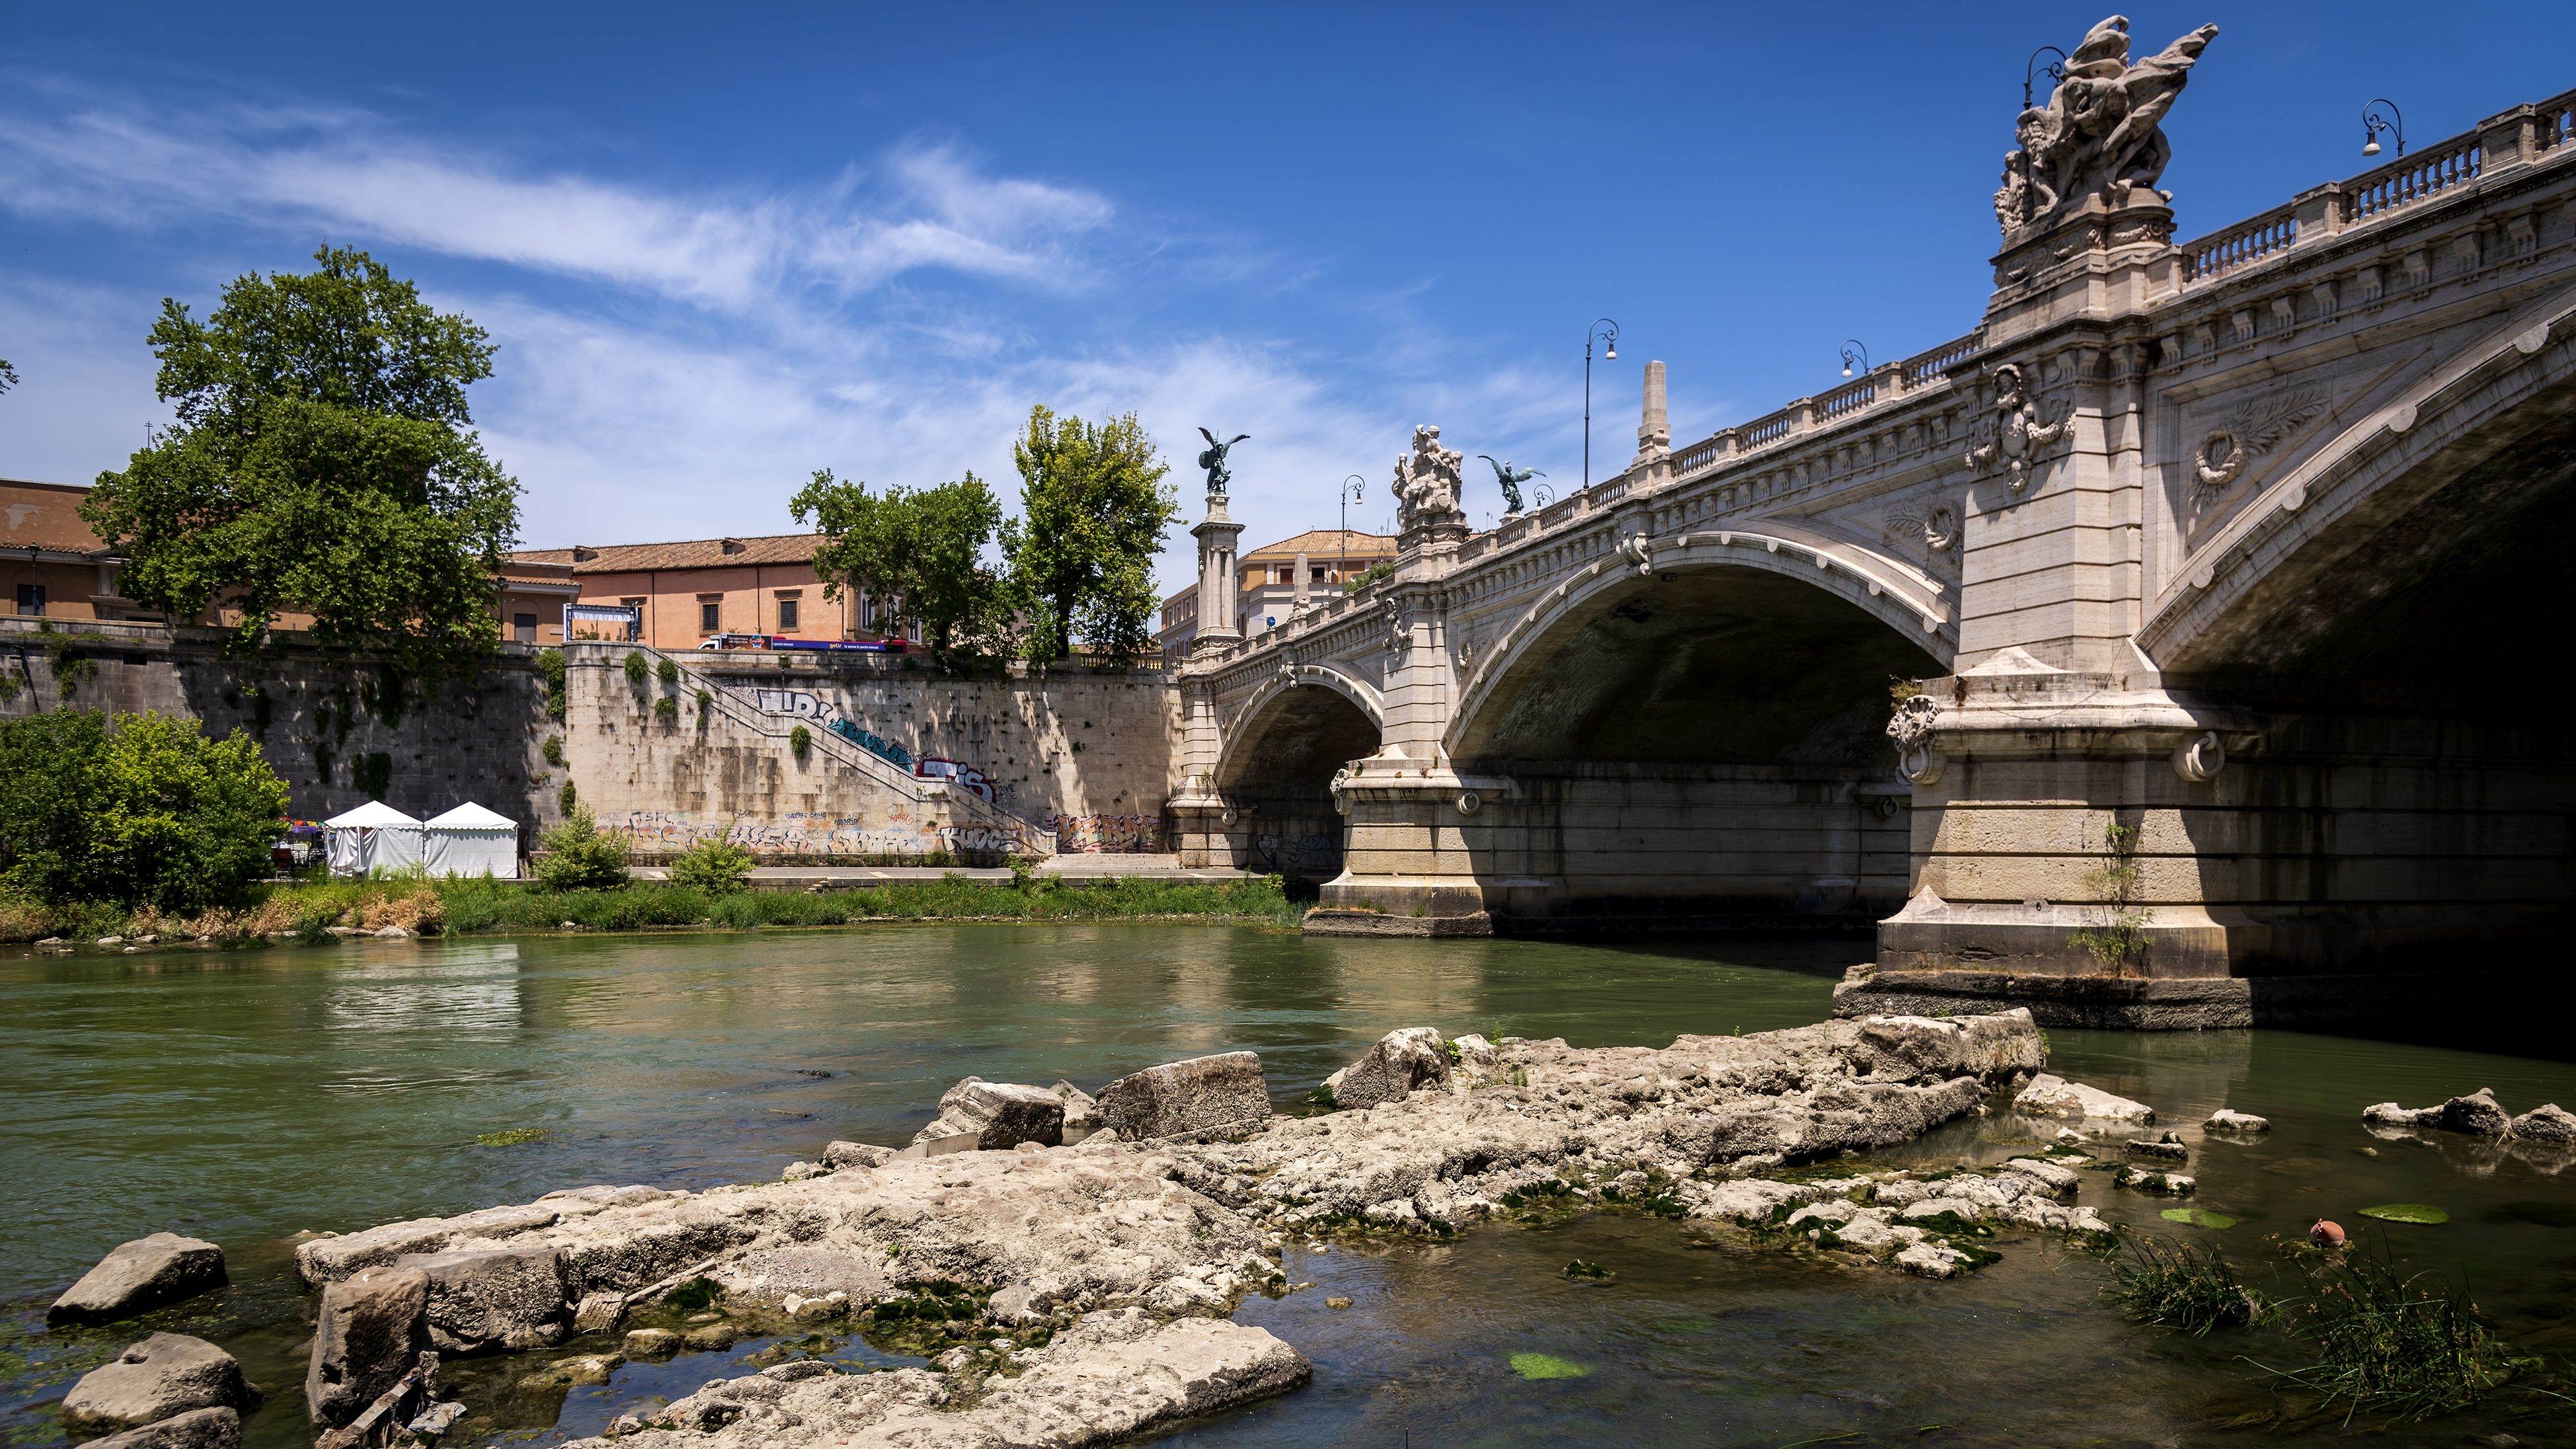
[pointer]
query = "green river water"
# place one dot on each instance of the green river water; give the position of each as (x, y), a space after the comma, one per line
(243, 1096)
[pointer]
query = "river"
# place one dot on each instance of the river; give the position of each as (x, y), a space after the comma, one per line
(243, 1096)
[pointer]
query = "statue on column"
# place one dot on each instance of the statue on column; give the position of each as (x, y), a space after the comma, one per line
(2100, 134)
(1427, 484)
(1510, 479)
(1212, 458)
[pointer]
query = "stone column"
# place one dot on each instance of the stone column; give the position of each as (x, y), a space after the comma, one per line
(1218, 536)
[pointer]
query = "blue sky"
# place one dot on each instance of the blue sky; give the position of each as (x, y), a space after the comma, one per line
(723, 246)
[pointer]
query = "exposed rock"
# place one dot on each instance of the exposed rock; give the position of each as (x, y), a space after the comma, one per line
(2173, 1184)
(2226, 1120)
(597, 1368)
(842, 1156)
(804, 1309)
(2053, 1096)
(1203, 1096)
(370, 1330)
(2145, 1147)
(216, 1428)
(996, 1115)
(144, 1273)
(1914, 1048)
(651, 1343)
(1475, 1051)
(2550, 1123)
(598, 1312)
(799, 1171)
(1112, 1375)
(2477, 1114)
(164, 1375)
(481, 1299)
(2058, 1178)
(1081, 1111)
(1402, 1060)
(711, 1337)
(1015, 1305)
(327, 1260)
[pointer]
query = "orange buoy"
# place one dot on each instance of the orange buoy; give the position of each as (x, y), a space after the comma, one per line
(2326, 1234)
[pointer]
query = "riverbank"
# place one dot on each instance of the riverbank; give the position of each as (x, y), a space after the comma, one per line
(321, 910)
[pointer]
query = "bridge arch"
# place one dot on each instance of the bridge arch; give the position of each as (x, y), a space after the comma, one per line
(1280, 749)
(2395, 548)
(1871, 614)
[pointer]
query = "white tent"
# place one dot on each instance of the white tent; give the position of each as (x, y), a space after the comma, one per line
(470, 840)
(373, 837)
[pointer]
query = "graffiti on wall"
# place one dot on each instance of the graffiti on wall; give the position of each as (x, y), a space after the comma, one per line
(1107, 834)
(877, 745)
(671, 831)
(1310, 852)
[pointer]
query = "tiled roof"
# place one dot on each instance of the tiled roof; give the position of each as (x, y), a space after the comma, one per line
(700, 553)
(1325, 543)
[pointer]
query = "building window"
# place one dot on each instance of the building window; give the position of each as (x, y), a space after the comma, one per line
(707, 617)
(31, 598)
(523, 627)
(787, 616)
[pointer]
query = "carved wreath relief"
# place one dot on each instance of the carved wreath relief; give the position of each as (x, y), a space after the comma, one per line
(2254, 430)
(2018, 438)
(1937, 525)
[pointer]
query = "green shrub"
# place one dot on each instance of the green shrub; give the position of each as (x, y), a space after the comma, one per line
(666, 709)
(637, 670)
(799, 741)
(718, 867)
(581, 856)
(141, 810)
(554, 749)
(668, 671)
(2408, 1346)
(567, 798)
(550, 667)
(706, 701)
(2180, 1286)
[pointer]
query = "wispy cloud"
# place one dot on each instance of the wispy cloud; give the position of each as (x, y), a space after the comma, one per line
(666, 368)
(922, 207)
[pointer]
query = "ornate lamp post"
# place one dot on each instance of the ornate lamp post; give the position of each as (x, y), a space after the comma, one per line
(1353, 489)
(1853, 351)
(2373, 125)
(1604, 331)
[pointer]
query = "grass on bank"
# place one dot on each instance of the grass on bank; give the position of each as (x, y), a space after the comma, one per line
(486, 907)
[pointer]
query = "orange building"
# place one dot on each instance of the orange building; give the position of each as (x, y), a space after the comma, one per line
(683, 592)
(57, 568)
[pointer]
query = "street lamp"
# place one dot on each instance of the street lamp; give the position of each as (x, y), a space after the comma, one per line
(1852, 350)
(2055, 70)
(2374, 124)
(1603, 331)
(1353, 489)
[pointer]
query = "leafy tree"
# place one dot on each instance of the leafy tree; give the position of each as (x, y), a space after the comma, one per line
(144, 809)
(8, 375)
(320, 461)
(1095, 508)
(919, 553)
(579, 856)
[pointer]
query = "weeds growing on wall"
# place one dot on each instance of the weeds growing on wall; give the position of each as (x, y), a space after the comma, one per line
(487, 907)
(637, 670)
(2121, 940)
(550, 665)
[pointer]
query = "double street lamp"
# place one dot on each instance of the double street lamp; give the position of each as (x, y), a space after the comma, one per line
(1607, 332)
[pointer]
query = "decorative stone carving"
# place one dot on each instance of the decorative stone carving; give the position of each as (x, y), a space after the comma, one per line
(1469, 802)
(2019, 435)
(1399, 632)
(1912, 728)
(1341, 782)
(2100, 134)
(2251, 431)
(1427, 484)
(2199, 759)
(1941, 528)
(1636, 550)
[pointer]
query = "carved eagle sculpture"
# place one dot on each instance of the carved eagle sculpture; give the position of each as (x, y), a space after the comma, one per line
(1511, 479)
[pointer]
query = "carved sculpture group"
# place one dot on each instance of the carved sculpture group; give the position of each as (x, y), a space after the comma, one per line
(2099, 134)
(2020, 438)
(1427, 483)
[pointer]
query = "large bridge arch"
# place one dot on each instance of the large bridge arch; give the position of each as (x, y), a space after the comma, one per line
(1693, 734)
(1655, 636)
(1282, 745)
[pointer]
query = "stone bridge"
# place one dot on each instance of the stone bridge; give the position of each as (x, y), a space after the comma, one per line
(2201, 579)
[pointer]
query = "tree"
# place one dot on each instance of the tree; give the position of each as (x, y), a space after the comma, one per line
(579, 856)
(320, 461)
(1094, 508)
(8, 375)
(143, 809)
(919, 554)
